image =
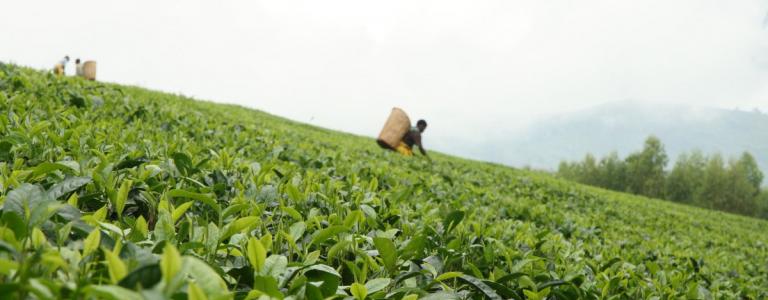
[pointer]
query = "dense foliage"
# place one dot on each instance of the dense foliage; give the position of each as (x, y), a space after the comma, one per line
(115, 192)
(695, 179)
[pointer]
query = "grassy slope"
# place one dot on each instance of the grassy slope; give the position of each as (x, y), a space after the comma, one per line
(540, 230)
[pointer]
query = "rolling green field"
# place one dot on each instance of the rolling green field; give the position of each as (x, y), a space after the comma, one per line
(115, 192)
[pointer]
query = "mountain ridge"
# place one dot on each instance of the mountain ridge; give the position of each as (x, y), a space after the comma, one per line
(623, 126)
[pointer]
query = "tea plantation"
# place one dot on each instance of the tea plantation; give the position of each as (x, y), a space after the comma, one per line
(115, 192)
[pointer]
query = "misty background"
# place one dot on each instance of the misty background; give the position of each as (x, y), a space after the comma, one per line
(516, 82)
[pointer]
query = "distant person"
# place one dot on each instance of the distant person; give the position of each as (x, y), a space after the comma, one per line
(79, 68)
(411, 138)
(60, 67)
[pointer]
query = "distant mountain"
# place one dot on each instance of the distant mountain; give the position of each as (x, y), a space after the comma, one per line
(624, 126)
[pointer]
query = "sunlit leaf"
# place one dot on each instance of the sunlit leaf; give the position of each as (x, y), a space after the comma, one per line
(170, 263)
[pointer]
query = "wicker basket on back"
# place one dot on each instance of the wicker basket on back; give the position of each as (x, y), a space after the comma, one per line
(395, 128)
(89, 70)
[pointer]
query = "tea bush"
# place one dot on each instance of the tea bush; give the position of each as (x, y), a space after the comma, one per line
(116, 192)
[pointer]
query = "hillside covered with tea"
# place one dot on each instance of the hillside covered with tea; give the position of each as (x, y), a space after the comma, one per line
(116, 192)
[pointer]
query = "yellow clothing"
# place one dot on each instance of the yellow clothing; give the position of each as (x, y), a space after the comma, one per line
(58, 69)
(403, 149)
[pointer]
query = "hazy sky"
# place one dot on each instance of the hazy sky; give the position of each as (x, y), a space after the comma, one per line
(473, 69)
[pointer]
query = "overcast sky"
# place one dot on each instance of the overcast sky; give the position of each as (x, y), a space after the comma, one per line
(473, 69)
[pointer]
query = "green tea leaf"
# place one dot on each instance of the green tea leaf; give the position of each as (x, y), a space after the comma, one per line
(256, 254)
(141, 226)
(266, 241)
(170, 263)
(293, 192)
(387, 252)
(48, 167)
(297, 230)
(311, 258)
(479, 285)
(377, 284)
(180, 210)
(68, 185)
(177, 193)
(212, 238)
(327, 278)
(122, 196)
(111, 292)
(453, 219)
(5, 151)
(183, 163)
(73, 200)
(31, 203)
(327, 233)
(295, 214)
(116, 266)
(238, 226)
(38, 238)
(91, 242)
(195, 293)
(358, 291)
(353, 217)
(274, 265)
(448, 275)
(268, 286)
(205, 277)
(7, 266)
(142, 277)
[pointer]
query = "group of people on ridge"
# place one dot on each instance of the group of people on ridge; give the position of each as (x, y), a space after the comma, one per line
(61, 66)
